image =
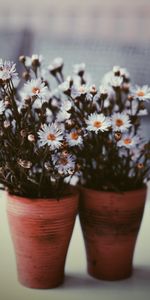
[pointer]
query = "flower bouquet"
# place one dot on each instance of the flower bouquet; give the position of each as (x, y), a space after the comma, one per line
(36, 167)
(35, 158)
(114, 159)
(53, 134)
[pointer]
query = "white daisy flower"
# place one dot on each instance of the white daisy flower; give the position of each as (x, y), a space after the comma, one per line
(89, 97)
(66, 105)
(74, 138)
(56, 64)
(29, 60)
(69, 79)
(124, 73)
(98, 122)
(77, 91)
(44, 74)
(65, 164)
(35, 87)
(65, 86)
(116, 81)
(116, 69)
(7, 70)
(79, 68)
(129, 141)
(106, 103)
(120, 122)
(38, 102)
(93, 89)
(2, 107)
(141, 93)
(54, 102)
(37, 57)
(50, 135)
(106, 85)
(103, 90)
(82, 89)
(49, 115)
(63, 115)
(106, 92)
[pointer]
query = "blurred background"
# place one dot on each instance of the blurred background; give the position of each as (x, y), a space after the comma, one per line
(102, 33)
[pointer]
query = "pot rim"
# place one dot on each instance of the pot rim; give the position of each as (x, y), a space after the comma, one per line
(89, 190)
(73, 192)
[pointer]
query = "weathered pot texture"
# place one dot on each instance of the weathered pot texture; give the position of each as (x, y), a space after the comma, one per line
(41, 230)
(110, 223)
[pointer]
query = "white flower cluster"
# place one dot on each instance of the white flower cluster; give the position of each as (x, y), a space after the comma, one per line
(7, 71)
(76, 115)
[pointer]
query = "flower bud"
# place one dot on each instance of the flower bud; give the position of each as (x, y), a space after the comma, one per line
(140, 166)
(22, 59)
(69, 124)
(118, 136)
(35, 63)
(23, 133)
(31, 138)
(26, 75)
(65, 153)
(130, 98)
(93, 89)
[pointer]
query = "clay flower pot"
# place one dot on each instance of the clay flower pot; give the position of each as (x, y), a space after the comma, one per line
(110, 223)
(41, 230)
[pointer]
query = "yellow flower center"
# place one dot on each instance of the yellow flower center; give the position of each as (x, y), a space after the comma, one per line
(97, 124)
(74, 135)
(127, 141)
(51, 137)
(119, 122)
(140, 93)
(140, 166)
(35, 90)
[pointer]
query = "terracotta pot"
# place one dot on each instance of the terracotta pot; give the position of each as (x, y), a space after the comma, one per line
(110, 223)
(41, 230)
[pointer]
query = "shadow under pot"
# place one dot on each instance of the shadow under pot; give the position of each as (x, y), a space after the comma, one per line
(41, 230)
(110, 224)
